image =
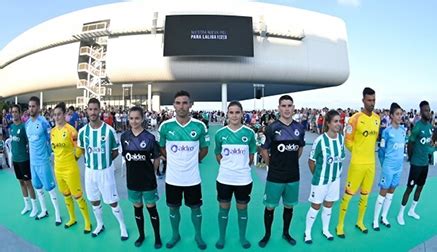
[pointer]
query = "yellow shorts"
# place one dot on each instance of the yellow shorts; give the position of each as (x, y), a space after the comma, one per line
(68, 179)
(360, 176)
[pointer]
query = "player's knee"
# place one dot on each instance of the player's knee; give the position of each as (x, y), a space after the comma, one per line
(66, 194)
(150, 205)
(115, 204)
(349, 192)
(77, 196)
(241, 206)
(139, 205)
(315, 206)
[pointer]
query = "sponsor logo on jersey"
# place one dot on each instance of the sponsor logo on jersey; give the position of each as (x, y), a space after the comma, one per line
(349, 129)
(15, 139)
(332, 159)
(18, 131)
(207, 138)
(58, 145)
(244, 139)
(171, 132)
(288, 147)
(103, 138)
(233, 151)
(143, 144)
(64, 134)
(178, 148)
(425, 140)
(126, 142)
(135, 157)
(398, 146)
(96, 150)
(278, 132)
(224, 138)
(366, 133)
(193, 134)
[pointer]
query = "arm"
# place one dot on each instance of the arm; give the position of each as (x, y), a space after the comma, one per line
(300, 151)
(350, 132)
(114, 154)
(382, 147)
(411, 141)
(311, 165)
(156, 163)
(265, 155)
(163, 152)
(251, 159)
(202, 153)
(218, 158)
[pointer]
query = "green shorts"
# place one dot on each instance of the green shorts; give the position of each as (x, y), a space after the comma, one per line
(274, 191)
(146, 197)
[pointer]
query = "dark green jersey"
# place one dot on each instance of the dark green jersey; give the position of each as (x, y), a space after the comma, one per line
(19, 143)
(421, 139)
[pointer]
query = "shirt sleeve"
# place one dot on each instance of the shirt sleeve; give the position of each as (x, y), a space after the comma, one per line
(218, 144)
(162, 139)
(155, 152)
(350, 132)
(315, 150)
(114, 144)
(302, 138)
(204, 137)
(252, 144)
(414, 134)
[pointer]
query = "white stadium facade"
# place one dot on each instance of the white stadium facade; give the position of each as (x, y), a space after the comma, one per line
(142, 53)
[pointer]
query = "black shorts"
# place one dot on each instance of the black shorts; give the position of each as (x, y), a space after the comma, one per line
(22, 170)
(417, 175)
(191, 194)
(242, 193)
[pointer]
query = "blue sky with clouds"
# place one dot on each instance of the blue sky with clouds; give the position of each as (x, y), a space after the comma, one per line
(392, 46)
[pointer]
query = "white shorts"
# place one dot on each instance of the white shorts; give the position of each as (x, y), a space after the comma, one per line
(329, 192)
(101, 182)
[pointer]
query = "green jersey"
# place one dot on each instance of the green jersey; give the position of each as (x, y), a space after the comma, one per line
(20, 152)
(182, 144)
(328, 154)
(235, 147)
(98, 145)
(422, 148)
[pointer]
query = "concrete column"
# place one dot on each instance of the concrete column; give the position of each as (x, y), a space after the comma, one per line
(156, 102)
(225, 97)
(149, 96)
(16, 99)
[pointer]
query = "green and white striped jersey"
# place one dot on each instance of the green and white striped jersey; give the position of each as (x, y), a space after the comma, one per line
(98, 145)
(328, 154)
(182, 144)
(235, 147)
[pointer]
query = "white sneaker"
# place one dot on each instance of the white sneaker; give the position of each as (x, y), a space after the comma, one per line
(33, 213)
(25, 210)
(401, 219)
(414, 215)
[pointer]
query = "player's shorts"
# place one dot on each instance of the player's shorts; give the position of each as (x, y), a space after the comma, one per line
(140, 197)
(68, 179)
(101, 182)
(42, 176)
(389, 179)
(417, 175)
(191, 194)
(225, 192)
(360, 175)
(289, 192)
(22, 170)
(329, 192)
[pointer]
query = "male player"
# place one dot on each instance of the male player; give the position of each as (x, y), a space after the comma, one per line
(184, 142)
(38, 134)
(99, 143)
(20, 159)
(361, 134)
(420, 150)
(285, 142)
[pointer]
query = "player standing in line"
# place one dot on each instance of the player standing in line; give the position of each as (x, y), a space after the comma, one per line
(420, 150)
(285, 142)
(361, 135)
(38, 134)
(325, 164)
(99, 142)
(235, 145)
(184, 142)
(20, 159)
(63, 137)
(391, 157)
(139, 147)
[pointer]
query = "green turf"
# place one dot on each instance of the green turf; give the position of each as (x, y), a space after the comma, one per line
(45, 235)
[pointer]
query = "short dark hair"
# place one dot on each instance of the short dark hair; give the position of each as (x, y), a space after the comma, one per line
(368, 91)
(71, 108)
(182, 93)
(61, 106)
(235, 103)
(138, 109)
(18, 107)
(285, 97)
(393, 107)
(95, 101)
(423, 103)
(35, 99)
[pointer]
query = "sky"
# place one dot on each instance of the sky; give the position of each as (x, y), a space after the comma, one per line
(392, 48)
